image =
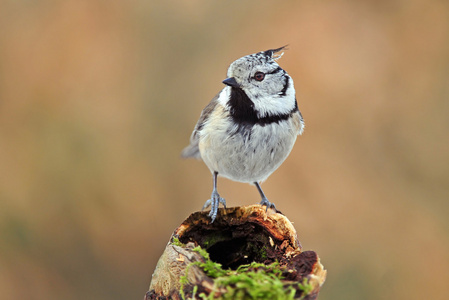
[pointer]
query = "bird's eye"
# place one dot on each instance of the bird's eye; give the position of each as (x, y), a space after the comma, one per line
(259, 76)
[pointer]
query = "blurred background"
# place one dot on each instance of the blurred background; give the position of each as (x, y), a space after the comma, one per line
(98, 98)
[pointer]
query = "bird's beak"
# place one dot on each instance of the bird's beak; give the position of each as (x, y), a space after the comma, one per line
(231, 82)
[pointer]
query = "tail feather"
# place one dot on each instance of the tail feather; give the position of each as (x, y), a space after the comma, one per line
(191, 151)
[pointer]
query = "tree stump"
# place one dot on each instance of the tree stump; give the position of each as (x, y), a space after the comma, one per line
(242, 245)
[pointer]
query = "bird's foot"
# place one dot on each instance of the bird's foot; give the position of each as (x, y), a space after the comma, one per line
(214, 202)
(267, 203)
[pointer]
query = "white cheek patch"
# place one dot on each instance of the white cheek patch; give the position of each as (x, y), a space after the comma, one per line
(275, 105)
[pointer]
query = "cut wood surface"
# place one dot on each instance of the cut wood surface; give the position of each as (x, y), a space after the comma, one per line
(240, 236)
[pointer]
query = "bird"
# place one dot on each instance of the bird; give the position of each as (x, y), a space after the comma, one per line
(249, 128)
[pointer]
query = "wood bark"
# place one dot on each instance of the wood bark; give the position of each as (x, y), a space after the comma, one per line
(239, 236)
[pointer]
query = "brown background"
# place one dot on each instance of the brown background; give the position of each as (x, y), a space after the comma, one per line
(98, 98)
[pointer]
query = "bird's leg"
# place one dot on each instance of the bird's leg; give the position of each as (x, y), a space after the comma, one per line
(214, 200)
(264, 199)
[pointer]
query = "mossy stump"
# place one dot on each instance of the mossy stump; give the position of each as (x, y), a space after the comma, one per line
(247, 253)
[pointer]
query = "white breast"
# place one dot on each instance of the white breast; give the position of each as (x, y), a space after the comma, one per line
(246, 156)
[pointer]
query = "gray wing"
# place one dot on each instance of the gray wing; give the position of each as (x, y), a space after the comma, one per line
(193, 150)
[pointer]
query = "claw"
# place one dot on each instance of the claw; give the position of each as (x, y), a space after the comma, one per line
(214, 202)
(264, 199)
(268, 204)
(223, 201)
(206, 205)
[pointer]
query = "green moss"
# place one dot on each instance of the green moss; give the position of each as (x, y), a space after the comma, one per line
(183, 281)
(177, 242)
(252, 281)
(255, 281)
(212, 269)
(262, 253)
(305, 287)
(211, 240)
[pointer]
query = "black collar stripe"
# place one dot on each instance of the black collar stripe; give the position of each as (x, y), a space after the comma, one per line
(243, 112)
